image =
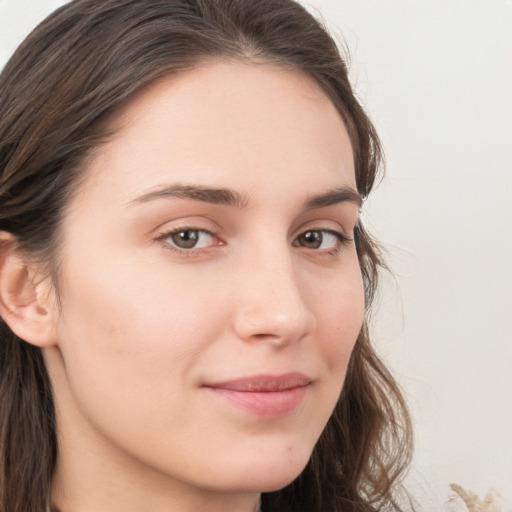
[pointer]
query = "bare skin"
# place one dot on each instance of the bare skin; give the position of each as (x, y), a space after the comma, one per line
(210, 243)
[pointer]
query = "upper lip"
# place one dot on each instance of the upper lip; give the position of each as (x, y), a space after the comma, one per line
(264, 383)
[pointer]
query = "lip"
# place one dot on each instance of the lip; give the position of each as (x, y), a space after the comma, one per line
(268, 396)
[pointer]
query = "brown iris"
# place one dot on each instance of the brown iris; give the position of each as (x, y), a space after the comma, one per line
(185, 239)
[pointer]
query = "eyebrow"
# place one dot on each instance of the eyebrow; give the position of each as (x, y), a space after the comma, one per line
(197, 193)
(229, 197)
(335, 196)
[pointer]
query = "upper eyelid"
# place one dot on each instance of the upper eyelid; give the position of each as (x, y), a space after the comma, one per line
(344, 227)
(163, 231)
(199, 224)
(191, 227)
(334, 226)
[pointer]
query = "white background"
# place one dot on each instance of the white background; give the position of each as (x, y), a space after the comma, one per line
(436, 77)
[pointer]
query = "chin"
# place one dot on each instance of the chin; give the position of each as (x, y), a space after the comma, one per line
(268, 476)
(277, 484)
(256, 483)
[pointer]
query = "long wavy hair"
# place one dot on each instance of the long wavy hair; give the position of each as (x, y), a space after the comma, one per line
(57, 92)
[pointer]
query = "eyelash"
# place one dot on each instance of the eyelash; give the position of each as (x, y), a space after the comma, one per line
(342, 241)
(193, 251)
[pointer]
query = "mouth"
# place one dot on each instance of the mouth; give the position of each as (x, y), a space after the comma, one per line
(267, 396)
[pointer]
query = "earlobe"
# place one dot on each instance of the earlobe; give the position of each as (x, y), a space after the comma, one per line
(22, 308)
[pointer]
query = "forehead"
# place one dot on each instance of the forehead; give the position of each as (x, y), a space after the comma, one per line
(243, 122)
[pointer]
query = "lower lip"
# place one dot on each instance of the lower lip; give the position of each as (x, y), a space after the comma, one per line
(267, 404)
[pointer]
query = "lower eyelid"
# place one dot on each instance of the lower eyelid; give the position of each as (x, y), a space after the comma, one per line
(342, 238)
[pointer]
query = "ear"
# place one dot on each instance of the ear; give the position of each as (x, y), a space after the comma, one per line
(26, 305)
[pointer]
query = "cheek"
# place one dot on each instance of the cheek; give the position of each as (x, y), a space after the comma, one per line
(129, 346)
(135, 331)
(143, 322)
(340, 318)
(132, 347)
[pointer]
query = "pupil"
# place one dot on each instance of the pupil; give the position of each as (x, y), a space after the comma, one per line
(313, 239)
(185, 239)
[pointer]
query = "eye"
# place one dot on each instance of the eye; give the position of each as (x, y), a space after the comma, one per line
(189, 239)
(320, 240)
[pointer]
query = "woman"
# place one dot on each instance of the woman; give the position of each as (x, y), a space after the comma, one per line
(184, 275)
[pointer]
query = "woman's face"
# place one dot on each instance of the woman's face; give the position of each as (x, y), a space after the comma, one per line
(210, 288)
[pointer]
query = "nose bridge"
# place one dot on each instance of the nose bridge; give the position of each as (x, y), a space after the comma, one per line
(271, 303)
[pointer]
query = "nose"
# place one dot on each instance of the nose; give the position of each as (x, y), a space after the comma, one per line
(271, 302)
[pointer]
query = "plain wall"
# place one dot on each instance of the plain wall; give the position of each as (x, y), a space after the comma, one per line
(436, 77)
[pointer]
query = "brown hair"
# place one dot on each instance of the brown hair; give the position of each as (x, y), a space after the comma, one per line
(82, 63)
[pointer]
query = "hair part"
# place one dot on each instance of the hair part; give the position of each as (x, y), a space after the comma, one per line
(57, 95)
